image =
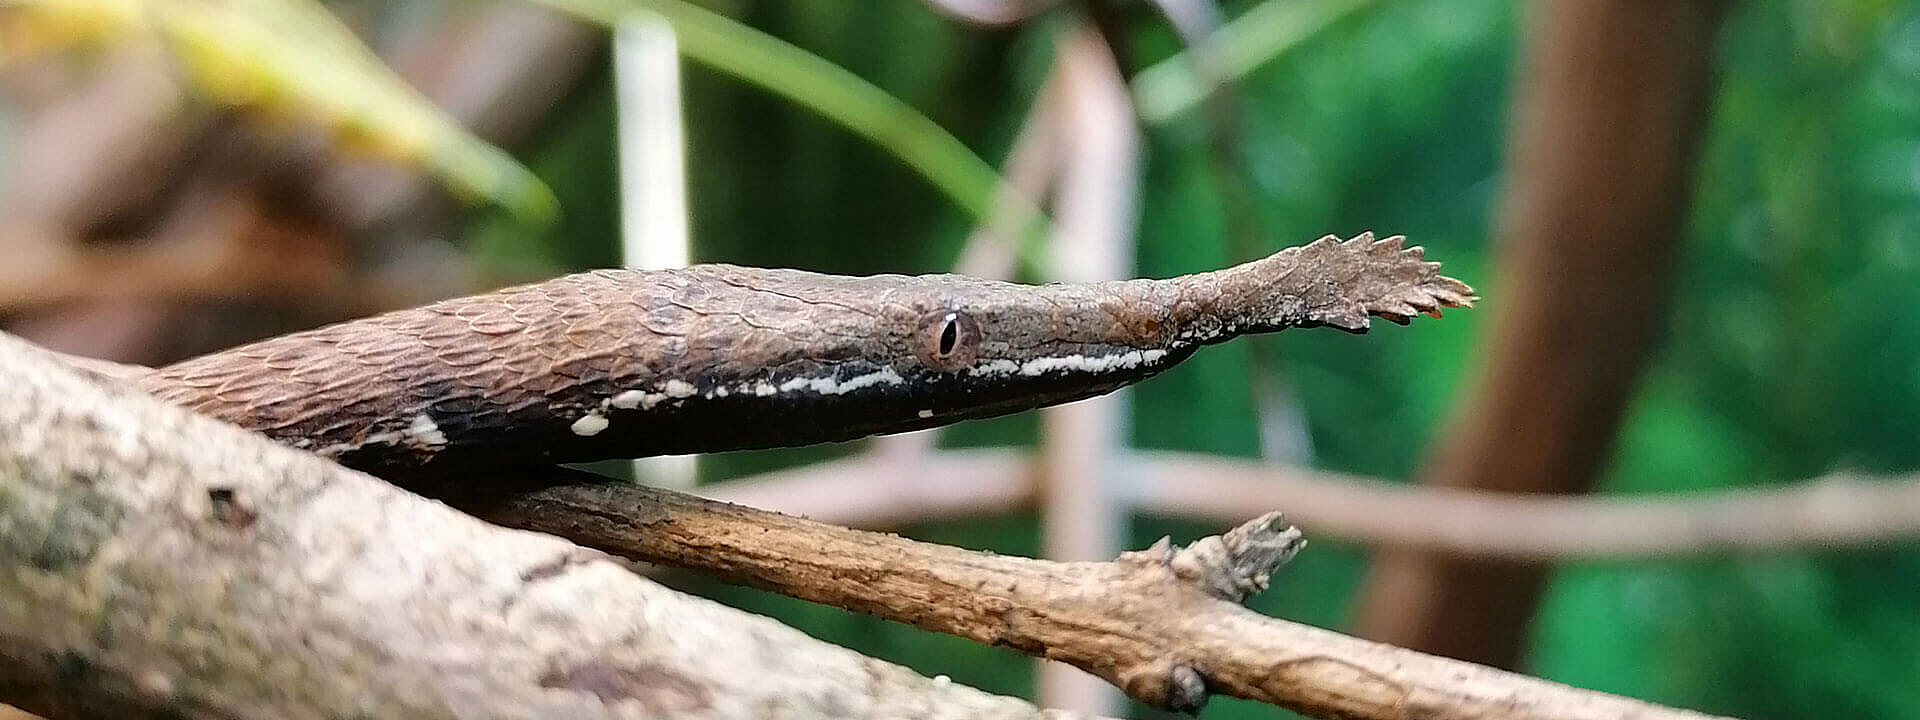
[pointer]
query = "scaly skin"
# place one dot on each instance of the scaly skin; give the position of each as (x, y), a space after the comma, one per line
(617, 363)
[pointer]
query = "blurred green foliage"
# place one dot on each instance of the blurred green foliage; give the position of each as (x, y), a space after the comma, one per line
(727, 46)
(290, 62)
(1789, 351)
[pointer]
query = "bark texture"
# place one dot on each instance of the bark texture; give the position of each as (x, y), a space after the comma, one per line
(158, 564)
(1610, 103)
(1164, 624)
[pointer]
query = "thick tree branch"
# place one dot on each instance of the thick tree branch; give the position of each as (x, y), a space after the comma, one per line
(1164, 624)
(158, 564)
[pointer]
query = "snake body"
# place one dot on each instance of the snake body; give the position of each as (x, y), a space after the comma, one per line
(617, 363)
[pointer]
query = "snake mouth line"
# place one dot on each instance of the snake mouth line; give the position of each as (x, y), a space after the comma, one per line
(675, 393)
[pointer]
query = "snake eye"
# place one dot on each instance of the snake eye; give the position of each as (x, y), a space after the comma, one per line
(948, 340)
(949, 334)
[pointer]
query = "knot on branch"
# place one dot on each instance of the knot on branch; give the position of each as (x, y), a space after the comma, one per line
(1165, 684)
(1230, 567)
(1233, 565)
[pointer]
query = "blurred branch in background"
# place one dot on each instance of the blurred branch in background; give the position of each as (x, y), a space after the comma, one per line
(1829, 513)
(143, 202)
(1608, 115)
(992, 12)
(1096, 204)
(101, 162)
(291, 61)
(499, 70)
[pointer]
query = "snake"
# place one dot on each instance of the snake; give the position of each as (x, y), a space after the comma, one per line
(627, 363)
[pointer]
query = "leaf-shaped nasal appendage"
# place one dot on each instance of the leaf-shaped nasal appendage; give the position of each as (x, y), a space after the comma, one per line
(1349, 280)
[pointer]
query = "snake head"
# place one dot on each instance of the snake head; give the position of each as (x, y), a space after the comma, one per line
(888, 353)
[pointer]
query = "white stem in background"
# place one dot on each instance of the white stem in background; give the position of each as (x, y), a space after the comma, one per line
(1083, 515)
(653, 177)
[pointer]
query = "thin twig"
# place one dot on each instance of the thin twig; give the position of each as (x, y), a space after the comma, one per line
(1164, 624)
